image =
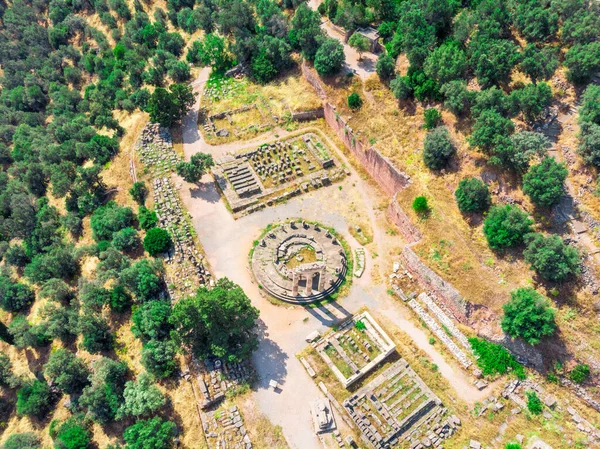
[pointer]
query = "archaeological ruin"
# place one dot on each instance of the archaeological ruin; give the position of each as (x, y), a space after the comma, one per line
(299, 262)
(356, 348)
(253, 179)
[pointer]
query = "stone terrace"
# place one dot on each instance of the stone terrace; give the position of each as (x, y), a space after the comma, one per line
(397, 406)
(355, 349)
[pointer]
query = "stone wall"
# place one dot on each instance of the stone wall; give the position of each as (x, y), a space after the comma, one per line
(313, 80)
(444, 291)
(397, 216)
(389, 178)
(304, 116)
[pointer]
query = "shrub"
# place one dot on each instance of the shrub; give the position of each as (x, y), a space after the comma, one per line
(157, 241)
(35, 399)
(385, 66)
(544, 183)
(551, 258)
(534, 404)
(139, 192)
(472, 195)
(354, 101)
(420, 205)
(150, 434)
(580, 373)
(401, 87)
(493, 358)
(147, 218)
(141, 397)
(528, 315)
(109, 219)
(438, 148)
(513, 446)
(505, 226)
(432, 118)
(151, 320)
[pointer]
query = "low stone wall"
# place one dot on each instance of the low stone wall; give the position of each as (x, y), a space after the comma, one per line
(444, 291)
(397, 216)
(313, 80)
(304, 116)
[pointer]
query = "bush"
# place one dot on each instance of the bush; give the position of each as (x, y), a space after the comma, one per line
(193, 170)
(551, 258)
(150, 434)
(329, 58)
(534, 404)
(580, 373)
(505, 226)
(385, 66)
(35, 399)
(544, 183)
(401, 87)
(139, 192)
(528, 315)
(147, 218)
(472, 195)
(420, 205)
(432, 118)
(513, 446)
(494, 359)
(151, 320)
(120, 300)
(141, 397)
(438, 149)
(157, 241)
(354, 101)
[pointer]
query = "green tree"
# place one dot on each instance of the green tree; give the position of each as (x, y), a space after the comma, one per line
(401, 87)
(354, 101)
(109, 219)
(27, 440)
(143, 279)
(583, 62)
(73, 434)
(127, 239)
(14, 296)
(551, 258)
(139, 192)
(220, 322)
(446, 63)
(544, 183)
(386, 66)
(151, 320)
(490, 130)
(150, 434)
(158, 357)
(147, 218)
(157, 241)
(329, 58)
(306, 30)
(360, 43)
(580, 373)
(96, 333)
(67, 371)
(472, 195)
(210, 52)
(528, 315)
(420, 205)
(432, 118)
(589, 112)
(525, 146)
(532, 100)
(589, 143)
(492, 59)
(438, 148)
(193, 170)
(34, 399)
(538, 64)
(534, 404)
(141, 398)
(505, 226)
(104, 396)
(7, 378)
(457, 98)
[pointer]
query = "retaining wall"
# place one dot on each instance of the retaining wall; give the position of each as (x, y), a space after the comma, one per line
(397, 216)
(304, 116)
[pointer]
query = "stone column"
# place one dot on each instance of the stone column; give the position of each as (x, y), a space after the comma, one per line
(308, 291)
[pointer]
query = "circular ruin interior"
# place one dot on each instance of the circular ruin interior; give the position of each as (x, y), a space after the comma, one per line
(299, 262)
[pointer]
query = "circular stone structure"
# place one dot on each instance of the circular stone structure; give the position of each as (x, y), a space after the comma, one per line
(299, 262)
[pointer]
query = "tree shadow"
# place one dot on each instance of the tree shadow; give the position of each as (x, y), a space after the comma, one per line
(269, 360)
(207, 191)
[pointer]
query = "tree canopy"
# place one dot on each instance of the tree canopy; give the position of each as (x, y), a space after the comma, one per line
(528, 315)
